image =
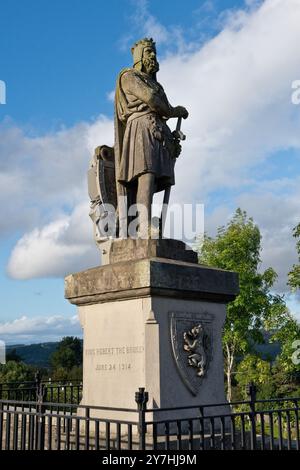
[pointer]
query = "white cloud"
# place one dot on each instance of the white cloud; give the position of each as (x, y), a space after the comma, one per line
(43, 179)
(39, 329)
(237, 88)
(275, 216)
(144, 24)
(61, 247)
(111, 95)
(151, 26)
(40, 176)
(294, 306)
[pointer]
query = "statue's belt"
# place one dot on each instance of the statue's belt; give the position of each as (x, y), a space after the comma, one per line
(161, 131)
(139, 114)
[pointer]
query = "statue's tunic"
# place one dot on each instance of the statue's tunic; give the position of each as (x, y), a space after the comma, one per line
(145, 142)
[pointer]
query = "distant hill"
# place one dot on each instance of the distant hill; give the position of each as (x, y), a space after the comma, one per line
(34, 354)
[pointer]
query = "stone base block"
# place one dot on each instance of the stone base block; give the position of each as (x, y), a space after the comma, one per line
(154, 323)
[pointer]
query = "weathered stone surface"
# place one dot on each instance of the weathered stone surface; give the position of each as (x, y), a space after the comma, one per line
(133, 249)
(126, 310)
(147, 277)
(128, 345)
(144, 152)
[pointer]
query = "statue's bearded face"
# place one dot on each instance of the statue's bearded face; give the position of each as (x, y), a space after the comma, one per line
(150, 64)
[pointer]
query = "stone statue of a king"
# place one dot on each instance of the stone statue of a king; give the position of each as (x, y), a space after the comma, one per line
(145, 148)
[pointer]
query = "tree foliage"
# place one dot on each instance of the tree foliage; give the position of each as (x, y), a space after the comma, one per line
(237, 247)
(287, 333)
(13, 356)
(64, 374)
(254, 369)
(294, 274)
(14, 371)
(68, 354)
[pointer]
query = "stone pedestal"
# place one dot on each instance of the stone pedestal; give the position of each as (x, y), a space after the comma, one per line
(139, 315)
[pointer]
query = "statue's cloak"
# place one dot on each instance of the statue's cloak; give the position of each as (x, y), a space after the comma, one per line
(143, 141)
(120, 126)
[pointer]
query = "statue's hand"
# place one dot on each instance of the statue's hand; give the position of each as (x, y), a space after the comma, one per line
(176, 147)
(180, 111)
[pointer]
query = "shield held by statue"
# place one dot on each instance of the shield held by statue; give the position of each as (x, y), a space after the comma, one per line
(102, 192)
(192, 340)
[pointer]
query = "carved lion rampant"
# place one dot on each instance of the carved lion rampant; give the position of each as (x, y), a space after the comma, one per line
(194, 343)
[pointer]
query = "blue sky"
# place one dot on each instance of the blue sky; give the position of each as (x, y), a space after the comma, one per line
(60, 58)
(231, 63)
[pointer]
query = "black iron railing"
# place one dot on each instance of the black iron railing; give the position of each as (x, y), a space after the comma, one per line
(54, 391)
(253, 424)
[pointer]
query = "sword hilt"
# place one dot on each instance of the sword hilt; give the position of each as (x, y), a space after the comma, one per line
(178, 134)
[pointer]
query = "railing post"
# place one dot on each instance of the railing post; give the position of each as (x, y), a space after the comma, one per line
(251, 390)
(141, 398)
(202, 430)
(40, 408)
(37, 379)
(1, 425)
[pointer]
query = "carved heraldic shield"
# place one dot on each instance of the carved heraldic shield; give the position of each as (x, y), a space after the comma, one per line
(191, 336)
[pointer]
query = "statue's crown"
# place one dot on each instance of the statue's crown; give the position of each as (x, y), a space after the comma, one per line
(139, 46)
(145, 42)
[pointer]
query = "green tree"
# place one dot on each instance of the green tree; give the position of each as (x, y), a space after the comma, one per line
(286, 331)
(237, 247)
(254, 369)
(67, 355)
(13, 356)
(16, 372)
(294, 274)
(286, 382)
(63, 374)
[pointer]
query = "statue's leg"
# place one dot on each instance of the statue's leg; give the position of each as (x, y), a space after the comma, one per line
(164, 210)
(131, 201)
(131, 193)
(145, 191)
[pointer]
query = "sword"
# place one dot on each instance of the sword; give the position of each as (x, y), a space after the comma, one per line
(178, 134)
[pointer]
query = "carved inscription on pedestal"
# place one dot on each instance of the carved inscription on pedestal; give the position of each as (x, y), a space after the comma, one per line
(114, 359)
